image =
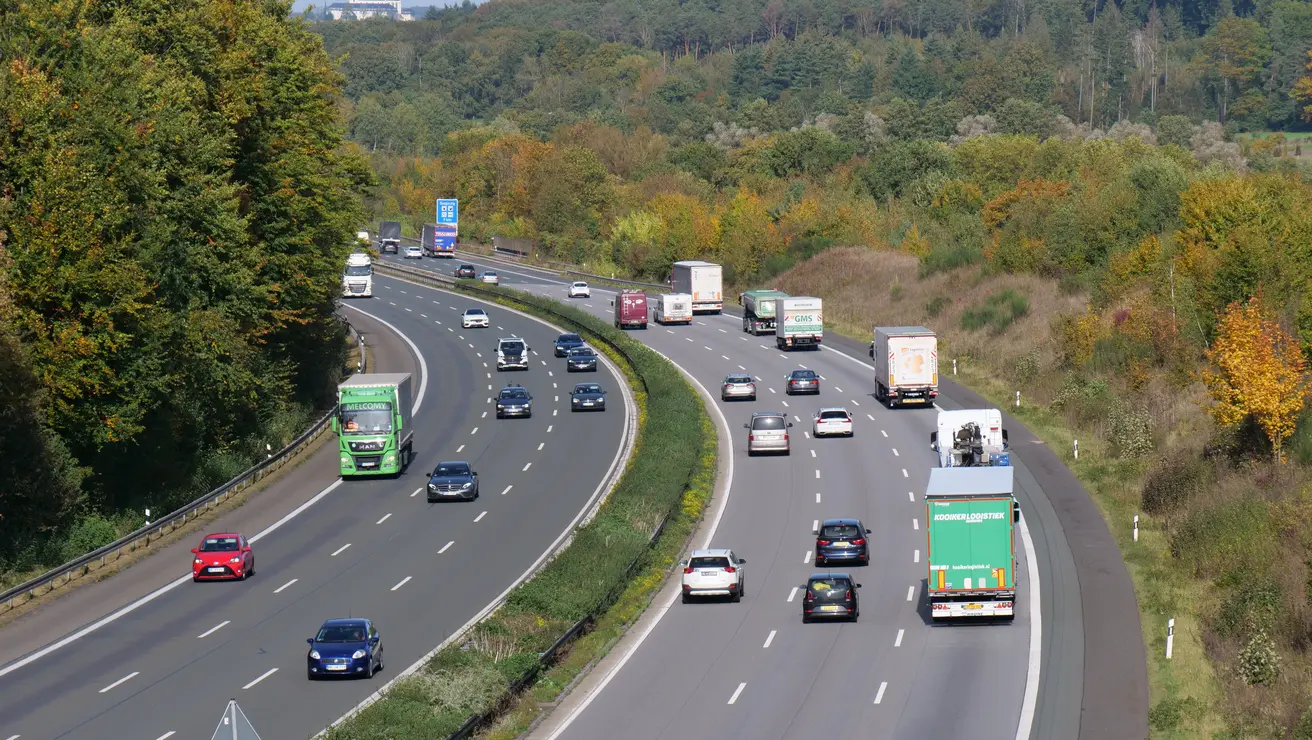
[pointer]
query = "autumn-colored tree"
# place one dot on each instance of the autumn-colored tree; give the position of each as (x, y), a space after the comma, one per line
(1258, 371)
(1234, 54)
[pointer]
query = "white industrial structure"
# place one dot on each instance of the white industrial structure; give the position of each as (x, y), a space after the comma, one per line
(374, 9)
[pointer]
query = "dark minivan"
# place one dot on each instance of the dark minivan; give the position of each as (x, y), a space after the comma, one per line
(842, 540)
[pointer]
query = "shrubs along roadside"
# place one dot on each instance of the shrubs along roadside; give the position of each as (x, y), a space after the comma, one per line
(667, 481)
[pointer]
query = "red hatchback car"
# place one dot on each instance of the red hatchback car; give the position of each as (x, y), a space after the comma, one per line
(222, 557)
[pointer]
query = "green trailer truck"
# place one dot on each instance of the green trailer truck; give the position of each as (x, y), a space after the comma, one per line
(970, 522)
(373, 424)
(760, 310)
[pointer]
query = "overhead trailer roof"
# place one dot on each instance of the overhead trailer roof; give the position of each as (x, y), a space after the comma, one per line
(983, 481)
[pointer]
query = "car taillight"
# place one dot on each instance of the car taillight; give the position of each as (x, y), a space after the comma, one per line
(785, 436)
(810, 596)
(822, 543)
(751, 437)
(861, 541)
(848, 595)
(687, 570)
(731, 569)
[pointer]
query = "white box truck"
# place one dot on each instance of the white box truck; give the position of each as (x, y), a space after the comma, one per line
(800, 322)
(672, 308)
(906, 365)
(703, 281)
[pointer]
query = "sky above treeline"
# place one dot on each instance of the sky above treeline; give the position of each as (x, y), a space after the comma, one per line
(299, 6)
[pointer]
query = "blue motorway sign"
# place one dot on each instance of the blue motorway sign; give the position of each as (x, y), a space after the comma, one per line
(448, 211)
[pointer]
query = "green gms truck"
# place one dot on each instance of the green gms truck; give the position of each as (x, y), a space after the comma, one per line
(970, 517)
(760, 310)
(373, 424)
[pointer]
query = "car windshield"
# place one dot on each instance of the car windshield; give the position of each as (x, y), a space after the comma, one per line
(474, 312)
(412, 249)
(580, 285)
(581, 352)
(832, 588)
(449, 469)
(840, 531)
(513, 348)
(804, 374)
(467, 268)
(513, 395)
(366, 418)
(833, 415)
(219, 544)
(359, 270)
(768, 422)
(341, 633)
(566, 338)
(737, 379)
(587, 389)
(489, 274)
(718, 561)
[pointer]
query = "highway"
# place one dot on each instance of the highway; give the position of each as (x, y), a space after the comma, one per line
(372, 548)
(752, 670)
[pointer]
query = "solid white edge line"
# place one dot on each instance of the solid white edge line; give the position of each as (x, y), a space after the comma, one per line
(423, 366)
(664, 609)
(607, 483)
(263, 676)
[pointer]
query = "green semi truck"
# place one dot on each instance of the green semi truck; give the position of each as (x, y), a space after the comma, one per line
(970, 522)
(373, 424)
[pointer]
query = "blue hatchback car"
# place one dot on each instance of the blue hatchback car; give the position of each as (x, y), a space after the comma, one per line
(345, 647)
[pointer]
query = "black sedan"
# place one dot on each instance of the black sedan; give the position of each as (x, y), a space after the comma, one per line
(567, 342)
(466, 271)
(802, 381)
(831, 595)
(842, 540)
(514, 400)
(452, 480)
(587, 397)
(581, 360)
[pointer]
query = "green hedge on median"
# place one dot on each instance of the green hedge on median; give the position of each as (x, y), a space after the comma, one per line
(671, 454)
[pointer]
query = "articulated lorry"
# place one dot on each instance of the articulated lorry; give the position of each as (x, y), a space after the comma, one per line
(760, 310)
(703, 281)
(801, 322)
(438, 240)
(389, 237)
(906, 365)
(373, 424)
(970, 523)
(672, 308)
(358, 277)
(968, 438)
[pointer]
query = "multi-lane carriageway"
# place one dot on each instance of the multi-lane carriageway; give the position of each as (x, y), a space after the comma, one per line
(148, 655)
(752, 670)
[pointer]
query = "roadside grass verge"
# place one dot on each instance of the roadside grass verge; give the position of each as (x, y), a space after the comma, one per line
(667, 480)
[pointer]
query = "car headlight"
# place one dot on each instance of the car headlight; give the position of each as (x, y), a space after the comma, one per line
(575, 401)
(358, 654)
(198, 561)
(432, 487)
(467, 486)
(235, 560)
(314, 654)
(500, 407)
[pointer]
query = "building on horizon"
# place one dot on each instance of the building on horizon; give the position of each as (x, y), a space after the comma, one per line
(365, 10)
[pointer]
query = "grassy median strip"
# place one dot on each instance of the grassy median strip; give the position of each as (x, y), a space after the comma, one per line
(668, 479)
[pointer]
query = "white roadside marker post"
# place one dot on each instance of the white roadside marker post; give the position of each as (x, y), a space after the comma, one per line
(1170, 636)
(1077, 449)
(954, 366)
(1136, 527)
(1017, 399)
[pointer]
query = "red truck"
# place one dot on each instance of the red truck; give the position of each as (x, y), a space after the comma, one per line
(630, 310)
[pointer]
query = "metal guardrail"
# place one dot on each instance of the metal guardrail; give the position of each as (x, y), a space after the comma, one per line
(142, 537)
(566, 270)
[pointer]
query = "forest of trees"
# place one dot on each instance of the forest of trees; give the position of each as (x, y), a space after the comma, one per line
(175, 207)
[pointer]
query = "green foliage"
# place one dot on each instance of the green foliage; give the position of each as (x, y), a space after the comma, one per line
(1303, 730)
(997, 313)
(892, 170)
(1259, 661)
(1252, 605)
(1171, 483)
(1235, 536)
(936, 305)
(1167, 714)
(1129, 431)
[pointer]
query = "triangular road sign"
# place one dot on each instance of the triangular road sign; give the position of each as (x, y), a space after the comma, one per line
(234, 725)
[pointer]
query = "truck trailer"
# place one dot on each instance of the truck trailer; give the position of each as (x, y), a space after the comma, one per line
(967, 438)
(630, 310)
(703, 281)
(389, 237)
(672, 308)
(800, 322)
(906, 365)
(970, 524)
(373, 424)
(760, 310)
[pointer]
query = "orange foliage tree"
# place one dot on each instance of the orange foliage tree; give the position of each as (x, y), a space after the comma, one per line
(1258, 371)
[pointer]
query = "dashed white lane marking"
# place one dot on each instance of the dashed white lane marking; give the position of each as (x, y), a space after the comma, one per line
(785, 403)
(817, 498)
(548, 429)
(669, 331)
(411, 310)
(817, 475)
(855, 403)
(489, 386)
(898, 641)
(806, 434)
(917, 557)
(881, 431)
(424, 315)
(385, 518)
(480, 354)
(722, 331)
(740, 367)
(541, 445)
(879, 695)
(688, 338)
(812, 453)
(512, 485)
(453, 331)
(391, 303)
(263, 676)
(402, 583)
(446, 547)
(165, 736)
(915, 524)
(339, 550)
(461, 447)
(737, 691)
(527, 465)
(285, 585)
(214, 629)
(815, 525)
(771, 390)
(895, 453)
(904, 473)
(557, 399)
(708, 349)
(743, 338)
(806, 558)
(475, 431)
(912, 496)
(868, 416)
(417, 492)
(121, 680)
(554, 411)
(769, 639)
(479, 518)
(553, 385)
(550, 375)
(726, 357)
(544, 362)
(911, 592)
(791, 594)
(484, 416)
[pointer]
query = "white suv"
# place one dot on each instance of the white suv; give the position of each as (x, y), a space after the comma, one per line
(832, 420)
(713, 573)
(580, 290)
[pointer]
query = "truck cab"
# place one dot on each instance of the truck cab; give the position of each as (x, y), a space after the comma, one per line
(358, 277)
(373, 424)
(968, 438)
(512, 354)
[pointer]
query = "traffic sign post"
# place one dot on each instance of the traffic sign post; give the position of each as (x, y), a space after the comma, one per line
(446, 231)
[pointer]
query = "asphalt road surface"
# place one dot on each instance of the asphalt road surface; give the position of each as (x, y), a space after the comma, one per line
(372, 548)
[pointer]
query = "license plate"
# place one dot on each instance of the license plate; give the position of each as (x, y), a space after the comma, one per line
(830, 608)
(974, 606)
(214, 570)
(842, 544)
(709, 574)
(336, 667)
(587, 403)
(913, 400)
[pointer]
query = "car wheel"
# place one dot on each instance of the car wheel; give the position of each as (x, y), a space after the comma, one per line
(309, 675)
(251, 570)
(737, 598)
(865, 561)
(243, 575)
(685, 598)
(819, 561)
(195, 579)
(806, 619)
